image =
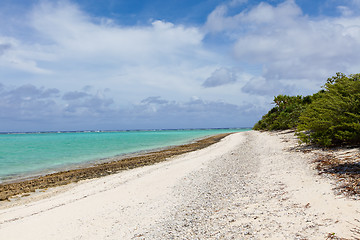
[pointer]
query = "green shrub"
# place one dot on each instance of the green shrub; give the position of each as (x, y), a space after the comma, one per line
(333, 117)
(285, 114)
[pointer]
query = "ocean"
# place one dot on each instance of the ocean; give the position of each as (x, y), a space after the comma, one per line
(24, 155)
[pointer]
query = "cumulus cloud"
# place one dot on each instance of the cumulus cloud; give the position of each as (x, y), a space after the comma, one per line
(195, 112)
(31, 102)
(242, 54)
(70, 29)
(85, 104)
(351, 8)
(31, 92)
(220, 77)
(288, 44)
(74, 95)
(67, 43)
(154, 100)
(345, 11)
(248, 20)
(31, 108)
(52, 109)
(76, 49)
(194, 106)
(27, 102)
(19, 56)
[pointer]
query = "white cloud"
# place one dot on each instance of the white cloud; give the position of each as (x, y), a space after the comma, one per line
(345, 11)
(14, 54)
(290, 45)
(75, 49)
(27, 102)
(64, 39)
(194, 112)
(134, 61)
(76, 35)
(220, 77)
(96, 110)
(284, 14)
(217, 21)
(349, 8)
(235, 62)
(75, 95)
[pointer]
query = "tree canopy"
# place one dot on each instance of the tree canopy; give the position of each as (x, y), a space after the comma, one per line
(334, 118)
(330, 117)
(285, 114)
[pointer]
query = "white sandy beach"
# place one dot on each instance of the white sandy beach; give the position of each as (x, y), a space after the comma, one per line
(248, 186)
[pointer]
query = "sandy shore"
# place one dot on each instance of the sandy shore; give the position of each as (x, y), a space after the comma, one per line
(108, 167)
(249, 185)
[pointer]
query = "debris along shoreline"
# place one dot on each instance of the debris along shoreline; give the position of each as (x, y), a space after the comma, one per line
(8, 190)
(344, 165)
(250, 185)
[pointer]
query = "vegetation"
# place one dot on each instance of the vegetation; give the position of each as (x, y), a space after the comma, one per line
(334, 118)
(285, 114)
(328, 118)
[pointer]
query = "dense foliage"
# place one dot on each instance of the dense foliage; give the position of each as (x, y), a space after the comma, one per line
(334, 118)
(285, 114)
(329, 117)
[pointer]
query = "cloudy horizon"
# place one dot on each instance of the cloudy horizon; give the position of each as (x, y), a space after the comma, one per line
(81, 65)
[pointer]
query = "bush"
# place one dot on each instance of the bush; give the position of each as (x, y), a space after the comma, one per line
(285, 114)
(333, 117)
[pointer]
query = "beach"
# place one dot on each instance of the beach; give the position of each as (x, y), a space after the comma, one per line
(249, 185)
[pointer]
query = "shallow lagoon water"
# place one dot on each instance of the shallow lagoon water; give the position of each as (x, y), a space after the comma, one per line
(25, 155)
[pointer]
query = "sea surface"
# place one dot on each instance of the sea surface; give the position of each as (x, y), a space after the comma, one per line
(24, 155)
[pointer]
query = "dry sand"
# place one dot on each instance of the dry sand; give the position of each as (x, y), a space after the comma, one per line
(250, 185)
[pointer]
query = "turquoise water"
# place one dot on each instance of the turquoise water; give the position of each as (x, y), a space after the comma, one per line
(25, 155)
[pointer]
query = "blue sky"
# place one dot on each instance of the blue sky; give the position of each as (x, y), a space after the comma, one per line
(86, 64)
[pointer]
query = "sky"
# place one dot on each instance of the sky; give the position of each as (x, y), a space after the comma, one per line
(159, 64)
